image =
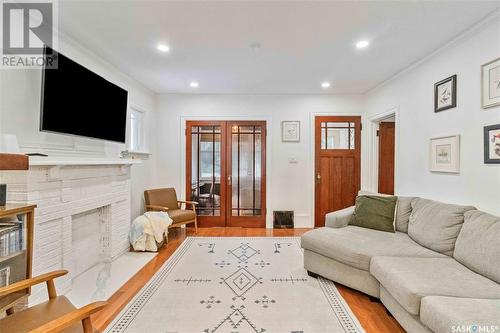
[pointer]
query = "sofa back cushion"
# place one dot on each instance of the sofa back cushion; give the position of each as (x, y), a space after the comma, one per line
(436, 225)
(403, 210)
(478, 244)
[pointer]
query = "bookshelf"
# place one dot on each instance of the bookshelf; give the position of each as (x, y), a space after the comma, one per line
(16, 250)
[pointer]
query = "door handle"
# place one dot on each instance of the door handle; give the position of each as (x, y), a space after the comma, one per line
(229, 180)
(318, 177)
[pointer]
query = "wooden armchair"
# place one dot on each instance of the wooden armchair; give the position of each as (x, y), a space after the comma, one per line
(165, 199)
(55, 315)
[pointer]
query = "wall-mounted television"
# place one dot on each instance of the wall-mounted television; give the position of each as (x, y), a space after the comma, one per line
(77, 101)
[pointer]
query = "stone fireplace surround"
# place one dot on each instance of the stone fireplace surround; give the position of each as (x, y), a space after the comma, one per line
(64, 190)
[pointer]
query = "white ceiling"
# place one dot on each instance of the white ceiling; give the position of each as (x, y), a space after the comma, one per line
(302, 43)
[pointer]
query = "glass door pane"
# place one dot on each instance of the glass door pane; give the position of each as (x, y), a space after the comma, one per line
(246, 170)
(206, 169)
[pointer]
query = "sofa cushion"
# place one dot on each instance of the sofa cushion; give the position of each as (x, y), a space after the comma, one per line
(478, 244)
(436, 225)
(441, 314)
(403, 210)
(356, 246)
(375, 212)
(410, 279)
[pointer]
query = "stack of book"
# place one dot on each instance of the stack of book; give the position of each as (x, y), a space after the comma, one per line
(11, 238)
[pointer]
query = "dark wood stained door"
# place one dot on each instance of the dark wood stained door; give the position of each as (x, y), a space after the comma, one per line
(226, 172)
(386, 157)
(337, 164)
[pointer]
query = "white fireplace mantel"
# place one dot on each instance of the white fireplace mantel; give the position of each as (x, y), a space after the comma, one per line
(47, 161)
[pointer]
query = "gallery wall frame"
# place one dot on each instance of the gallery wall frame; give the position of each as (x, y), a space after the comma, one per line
(445, 94)
(490, 84)
(492, 144)
(444, 154)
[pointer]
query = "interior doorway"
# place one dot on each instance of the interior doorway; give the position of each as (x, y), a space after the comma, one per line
(337, 164)
(226, 172)
(384, 151)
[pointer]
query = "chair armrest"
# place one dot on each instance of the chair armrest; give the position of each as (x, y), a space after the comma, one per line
(189, 202)
(25, 284)
(156, 208)
(340, 218)
(75, 316)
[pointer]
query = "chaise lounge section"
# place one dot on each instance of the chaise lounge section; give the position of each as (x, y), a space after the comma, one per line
(439, 272)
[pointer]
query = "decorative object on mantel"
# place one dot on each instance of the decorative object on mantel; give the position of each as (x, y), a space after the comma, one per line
(445, 94)
(11, 162)
(290, 131)
(445, 154)
(490, 84)
(134, 154)
(492, 144)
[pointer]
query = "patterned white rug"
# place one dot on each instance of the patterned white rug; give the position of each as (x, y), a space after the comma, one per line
(236, 285)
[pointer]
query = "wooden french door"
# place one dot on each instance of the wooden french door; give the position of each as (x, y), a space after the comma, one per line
(337, 164)
(386, 139)
(226, 172)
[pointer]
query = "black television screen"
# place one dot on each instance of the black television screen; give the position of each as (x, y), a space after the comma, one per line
(77, 101)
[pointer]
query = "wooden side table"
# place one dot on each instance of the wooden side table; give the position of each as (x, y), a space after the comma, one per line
(20, 259)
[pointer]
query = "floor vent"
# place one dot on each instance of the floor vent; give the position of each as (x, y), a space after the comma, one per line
(283, 219)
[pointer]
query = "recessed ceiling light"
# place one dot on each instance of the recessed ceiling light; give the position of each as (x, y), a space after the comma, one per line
(325, 85)
(194, 84)
(163, 48)
(362, 44)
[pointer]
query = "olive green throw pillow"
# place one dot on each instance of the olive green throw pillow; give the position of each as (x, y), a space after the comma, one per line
(375, 212)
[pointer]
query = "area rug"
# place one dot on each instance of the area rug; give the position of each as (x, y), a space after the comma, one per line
(236, 285)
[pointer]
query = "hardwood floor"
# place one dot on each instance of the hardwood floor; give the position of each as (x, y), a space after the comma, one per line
(371, 315)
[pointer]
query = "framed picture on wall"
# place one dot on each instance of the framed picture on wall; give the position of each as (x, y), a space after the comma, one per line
(290, 131)
(445, 94)
(445, 154)
(490, 84)
(492, 144)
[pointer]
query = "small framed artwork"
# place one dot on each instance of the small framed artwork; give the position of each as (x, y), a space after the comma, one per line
(492, 144)
(445, 94)
(290, 131)
(490, 84)
(445, 154)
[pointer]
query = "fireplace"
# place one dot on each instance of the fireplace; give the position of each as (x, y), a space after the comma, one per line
(82, 219)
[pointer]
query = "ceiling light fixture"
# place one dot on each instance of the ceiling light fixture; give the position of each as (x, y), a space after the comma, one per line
(362, 44)
(194, 84)
(325, 85)
(163, 48)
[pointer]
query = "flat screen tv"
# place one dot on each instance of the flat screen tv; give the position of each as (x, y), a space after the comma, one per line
(79, 102)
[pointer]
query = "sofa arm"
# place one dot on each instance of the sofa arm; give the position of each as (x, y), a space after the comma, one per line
(340, 218)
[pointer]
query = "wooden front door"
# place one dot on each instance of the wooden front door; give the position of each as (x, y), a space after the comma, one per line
(226, 172)
(386, 139)
(337, 164)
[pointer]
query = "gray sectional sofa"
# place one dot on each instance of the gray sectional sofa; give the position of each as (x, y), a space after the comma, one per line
(440, 271)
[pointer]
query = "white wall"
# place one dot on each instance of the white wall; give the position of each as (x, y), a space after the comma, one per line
(20, 113)
(477, 184)
(289, 186)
